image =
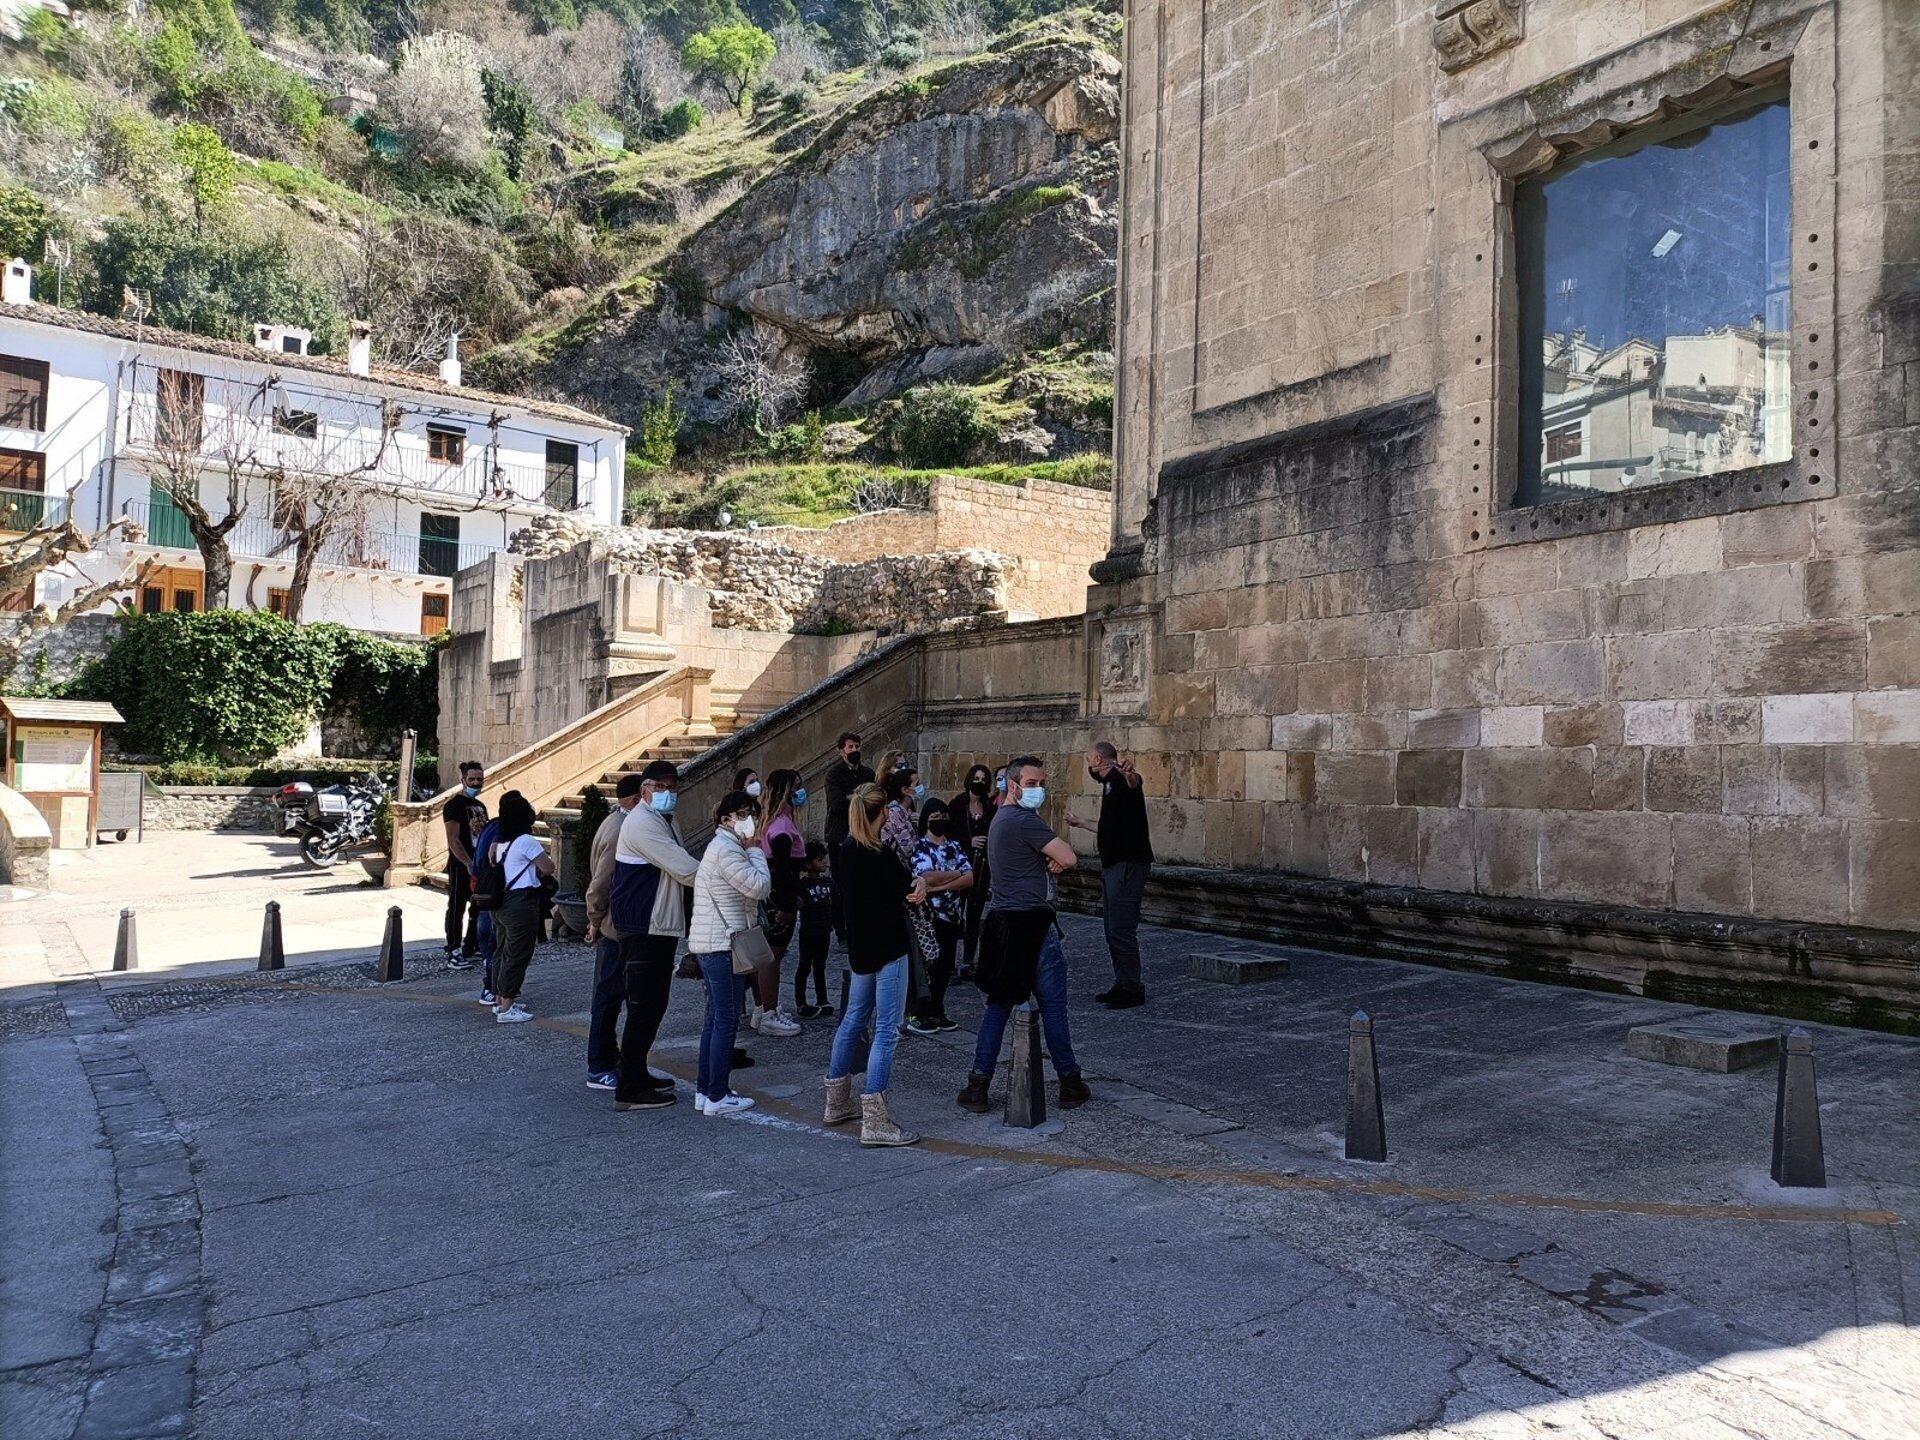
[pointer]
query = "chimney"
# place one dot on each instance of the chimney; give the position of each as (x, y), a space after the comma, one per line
(17, 288)
(450, 367)
(359, 348)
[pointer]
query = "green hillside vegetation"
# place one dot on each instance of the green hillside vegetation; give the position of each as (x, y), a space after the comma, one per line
(503, 172)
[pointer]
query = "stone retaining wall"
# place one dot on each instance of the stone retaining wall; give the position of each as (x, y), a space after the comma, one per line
(25, 841)
(212, 807)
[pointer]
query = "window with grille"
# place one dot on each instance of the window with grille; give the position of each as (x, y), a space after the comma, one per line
(446, 444)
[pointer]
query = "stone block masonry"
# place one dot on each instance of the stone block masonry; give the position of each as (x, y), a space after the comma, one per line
(212, 807)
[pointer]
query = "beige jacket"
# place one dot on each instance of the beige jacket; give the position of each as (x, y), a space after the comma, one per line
(727, 892)
(649, 838)
(600, 882)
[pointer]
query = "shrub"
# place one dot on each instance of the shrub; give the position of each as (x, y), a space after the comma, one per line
(794, 98)
(593, 811)
(173, 63)
(938, 425)
(25, 222)
(805, 441)
(658, 436)
(900, 55)
(682, 117)
(210, 170)
(45, 108)
(137, 151)
(47, 33)
(299, 110)
(228, 685)
(215, 283)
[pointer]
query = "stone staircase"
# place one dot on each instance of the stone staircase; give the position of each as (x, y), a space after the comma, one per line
(682, 750)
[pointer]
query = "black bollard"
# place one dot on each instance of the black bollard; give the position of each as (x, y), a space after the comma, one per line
(393, 951)
(273, 950)
(1027, 1085)
(1366, 1121)
(126, 944)
(1799, 1160)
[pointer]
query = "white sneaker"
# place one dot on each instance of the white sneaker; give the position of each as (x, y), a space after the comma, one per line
(754, 1016)
(773, 1023)
(699, 1103)
(729, 1103)
(515, 1014)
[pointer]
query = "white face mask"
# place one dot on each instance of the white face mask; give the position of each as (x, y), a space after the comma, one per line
(744, 827)
(753, 789)
(1033, 797)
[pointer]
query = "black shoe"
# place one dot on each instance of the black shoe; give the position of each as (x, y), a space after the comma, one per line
(921, 1025)
(1124, 999)
(1105, 997)
(974, 1097)
(941, 1022)
(1073, 1091)
(647, 1100)
(741, 1060)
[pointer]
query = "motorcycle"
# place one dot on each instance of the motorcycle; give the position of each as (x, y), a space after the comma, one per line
(293, 802)
(337, 819)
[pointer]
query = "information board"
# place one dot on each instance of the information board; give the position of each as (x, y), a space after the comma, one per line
(49, 759)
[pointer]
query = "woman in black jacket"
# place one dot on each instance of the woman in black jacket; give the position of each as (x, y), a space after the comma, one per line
(970, 813)
(874, 892)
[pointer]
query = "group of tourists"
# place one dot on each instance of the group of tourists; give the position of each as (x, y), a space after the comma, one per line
(920, 891)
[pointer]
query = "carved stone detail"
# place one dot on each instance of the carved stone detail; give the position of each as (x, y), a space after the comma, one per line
(1124, 665)
(1466, 31)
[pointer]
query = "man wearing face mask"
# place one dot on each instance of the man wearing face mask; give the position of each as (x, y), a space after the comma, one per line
(647, 904)
(609, 971)
(1126, 855)
(462, 938)
(1020, 952)
(844, 776)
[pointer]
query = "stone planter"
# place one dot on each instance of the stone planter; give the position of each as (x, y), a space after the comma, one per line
(569, 916)
(376, 867)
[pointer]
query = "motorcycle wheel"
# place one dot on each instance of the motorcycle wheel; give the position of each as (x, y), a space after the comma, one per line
(319, 849)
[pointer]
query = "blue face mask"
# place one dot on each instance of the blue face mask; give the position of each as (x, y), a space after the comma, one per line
(1033, 797)
(919, 792)
(470, 791)
(663, 801)
(799, 797)
(1000, 783)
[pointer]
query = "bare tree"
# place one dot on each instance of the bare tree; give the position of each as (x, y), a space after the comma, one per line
(958, 28)
(799, 56)
(759, 377)
(433, 101)
(188, 443)
(325, 504)
(48, 544)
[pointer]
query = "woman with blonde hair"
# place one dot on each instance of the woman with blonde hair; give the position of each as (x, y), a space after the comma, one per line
(875, 890)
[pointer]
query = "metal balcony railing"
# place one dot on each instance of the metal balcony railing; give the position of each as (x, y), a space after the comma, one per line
(256, 444)
(256, 537)
(21, 510)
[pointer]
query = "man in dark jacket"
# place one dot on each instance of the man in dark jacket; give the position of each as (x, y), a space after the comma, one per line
(1126, 855)
(844, 776)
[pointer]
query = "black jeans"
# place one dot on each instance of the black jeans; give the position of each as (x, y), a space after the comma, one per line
(976, 904)
(648, 963)
(931, 1002)
(813, 961)
(461, 922)
(1122, 885)
(609, 994)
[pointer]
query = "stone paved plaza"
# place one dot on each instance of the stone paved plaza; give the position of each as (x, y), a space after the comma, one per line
(311, 1206)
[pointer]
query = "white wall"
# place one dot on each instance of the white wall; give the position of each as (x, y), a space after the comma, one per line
(98, 444)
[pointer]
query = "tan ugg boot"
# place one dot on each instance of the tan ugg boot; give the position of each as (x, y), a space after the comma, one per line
(876, 1125)
(840, 1106)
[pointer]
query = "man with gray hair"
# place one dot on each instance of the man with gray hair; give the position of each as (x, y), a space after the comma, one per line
(1126, 856)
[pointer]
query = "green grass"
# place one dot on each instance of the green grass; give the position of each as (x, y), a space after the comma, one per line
(818, 494)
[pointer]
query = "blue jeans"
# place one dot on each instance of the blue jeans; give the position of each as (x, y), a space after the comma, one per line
(1050, 993)
(886, 993)
(722, 1023)
(603, 1013)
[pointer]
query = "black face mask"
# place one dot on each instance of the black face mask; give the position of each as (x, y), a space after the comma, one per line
(937, 829)
(979, 787)
(1098, 778)
(853, 760)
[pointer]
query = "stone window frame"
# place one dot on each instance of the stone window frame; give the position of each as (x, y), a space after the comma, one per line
(1538, 130)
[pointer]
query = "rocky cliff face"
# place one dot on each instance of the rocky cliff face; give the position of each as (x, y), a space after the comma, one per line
(932, 230)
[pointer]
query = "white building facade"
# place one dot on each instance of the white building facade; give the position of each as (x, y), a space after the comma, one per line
(415, 477)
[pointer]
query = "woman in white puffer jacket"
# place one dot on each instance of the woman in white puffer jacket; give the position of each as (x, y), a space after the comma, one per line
(727, 892)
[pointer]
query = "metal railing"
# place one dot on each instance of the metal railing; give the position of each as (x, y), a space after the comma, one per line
(255, 445)
(353, 547)
(21, 510)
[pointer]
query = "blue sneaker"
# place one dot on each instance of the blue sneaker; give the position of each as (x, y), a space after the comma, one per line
(603, 1080)
(486, 997)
